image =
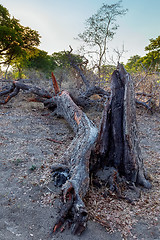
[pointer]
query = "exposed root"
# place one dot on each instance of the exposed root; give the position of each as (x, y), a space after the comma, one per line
(116, 186)
(73, 213)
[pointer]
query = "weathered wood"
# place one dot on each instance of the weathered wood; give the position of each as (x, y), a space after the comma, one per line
(55, 84)
(77, 158)
(13, 91)
(16, 86)
(118, 143)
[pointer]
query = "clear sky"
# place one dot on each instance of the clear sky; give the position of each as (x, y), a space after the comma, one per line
(60, 21)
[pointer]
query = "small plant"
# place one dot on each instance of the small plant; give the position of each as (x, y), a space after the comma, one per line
(32, 168)
(17, 161)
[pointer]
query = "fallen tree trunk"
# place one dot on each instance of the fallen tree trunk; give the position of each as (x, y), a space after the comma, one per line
(77, 159)
(76, 163)
(15, 87)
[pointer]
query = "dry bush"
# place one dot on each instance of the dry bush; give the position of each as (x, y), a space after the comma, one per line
(37, 78)
(70, 80)
(147, 88)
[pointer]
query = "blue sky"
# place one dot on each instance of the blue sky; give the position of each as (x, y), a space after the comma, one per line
(60, 21)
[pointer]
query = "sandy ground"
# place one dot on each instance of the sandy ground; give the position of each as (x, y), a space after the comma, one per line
(28, 198)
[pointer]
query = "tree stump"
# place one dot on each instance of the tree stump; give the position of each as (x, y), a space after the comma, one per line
(118, 142)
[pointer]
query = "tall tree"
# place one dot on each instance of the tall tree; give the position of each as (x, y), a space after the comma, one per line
(15, 39)
(102, 27)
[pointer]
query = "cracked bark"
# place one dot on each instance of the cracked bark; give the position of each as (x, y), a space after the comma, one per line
(118, 142)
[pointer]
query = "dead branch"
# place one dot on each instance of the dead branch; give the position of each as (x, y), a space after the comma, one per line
(78, 69)
(16, 86)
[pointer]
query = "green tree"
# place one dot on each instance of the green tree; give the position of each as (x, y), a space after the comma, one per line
(42, 61)
(133, 64)
(100, 28)
(150, 62)
(62, 60)
(15, 39)
(154, 44)
(152, 59)
(39, 61)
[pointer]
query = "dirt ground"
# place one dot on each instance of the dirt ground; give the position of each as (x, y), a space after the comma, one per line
(28, 199)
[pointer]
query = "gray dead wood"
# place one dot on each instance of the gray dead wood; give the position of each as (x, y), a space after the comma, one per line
(77, 159)
(118, 141)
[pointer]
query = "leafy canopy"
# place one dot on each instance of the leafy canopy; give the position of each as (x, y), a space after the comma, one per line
(150, 62)
(39, 61)
(15, 39)
(62, 60)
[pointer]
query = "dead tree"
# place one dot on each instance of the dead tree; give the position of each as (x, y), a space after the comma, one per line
(91, 89)
(118, 142)
(115, 148)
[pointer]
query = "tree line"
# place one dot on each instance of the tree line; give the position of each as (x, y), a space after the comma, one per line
(19, 45)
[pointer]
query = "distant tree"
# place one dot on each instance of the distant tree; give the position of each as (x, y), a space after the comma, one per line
(41, 61)
(152, 59)
(106, 72)
(150, 62)
(133, 64)
(100, 28)
(62, 60)
(15, 39)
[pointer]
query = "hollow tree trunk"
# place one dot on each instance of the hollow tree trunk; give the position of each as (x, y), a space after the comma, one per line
(118, 143)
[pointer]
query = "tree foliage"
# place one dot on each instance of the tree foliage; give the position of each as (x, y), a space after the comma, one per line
(15, 39)
(133, 64)
(62, 60)
(154, 44)
(41, 61)
(150, 62)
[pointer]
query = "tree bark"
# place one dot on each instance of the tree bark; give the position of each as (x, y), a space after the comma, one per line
(77, 159)
(14, 89)
(118, 142)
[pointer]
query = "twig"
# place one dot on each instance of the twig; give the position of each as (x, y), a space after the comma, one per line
(53, 140)
(49, 189)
